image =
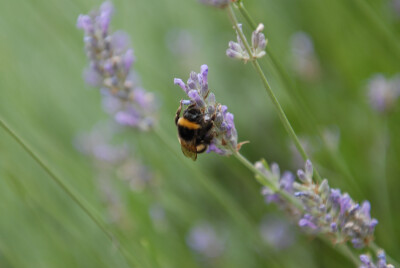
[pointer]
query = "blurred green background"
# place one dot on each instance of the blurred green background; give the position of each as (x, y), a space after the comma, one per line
(44, 99)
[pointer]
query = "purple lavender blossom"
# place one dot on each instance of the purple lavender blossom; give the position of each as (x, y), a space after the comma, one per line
(304, 60)
(225, 134)
(383, 92)
(238, 50)
(325, 210)
(205, 240)
(107, 155)
(367, 261)
(110, 68)
(217, 3)
(277, 232)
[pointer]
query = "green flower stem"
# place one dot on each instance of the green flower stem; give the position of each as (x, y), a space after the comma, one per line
(246, 15)
(268, 183)
(292, 90)
(88, 211)
(271, 94)
(344, 249)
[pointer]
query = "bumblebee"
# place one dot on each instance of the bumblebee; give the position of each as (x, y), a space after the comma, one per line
(194, 130)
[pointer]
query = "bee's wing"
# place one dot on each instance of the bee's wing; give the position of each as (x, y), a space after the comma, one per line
(189, 150)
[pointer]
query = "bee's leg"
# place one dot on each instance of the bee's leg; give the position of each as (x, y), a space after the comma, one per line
(201, 148)
(209, 125)
(178, 113)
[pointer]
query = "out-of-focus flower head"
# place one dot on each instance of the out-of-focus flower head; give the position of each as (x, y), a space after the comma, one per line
(110, 157)
(304, 60)
(383, 92)
(277, 232)
(225, 140)
(237, 50)
(110, 68)
(325, 211)
(205, 240)
(368, 262)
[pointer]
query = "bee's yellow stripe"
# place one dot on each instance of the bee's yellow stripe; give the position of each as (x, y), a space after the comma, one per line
(187, 124)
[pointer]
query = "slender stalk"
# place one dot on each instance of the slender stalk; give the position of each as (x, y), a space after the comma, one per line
(344, 250)
(271, 94)
(267, 182)
(291, 89)
(65, 188)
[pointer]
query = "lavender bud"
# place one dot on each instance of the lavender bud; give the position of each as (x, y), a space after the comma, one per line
(84, 22)
(180, 83)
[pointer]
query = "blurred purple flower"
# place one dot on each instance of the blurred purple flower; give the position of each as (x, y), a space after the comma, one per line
(205, 240)
(383, 92)
(277, 232)
(304, 60)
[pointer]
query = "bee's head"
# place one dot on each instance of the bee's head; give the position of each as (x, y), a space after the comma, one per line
(192, 114)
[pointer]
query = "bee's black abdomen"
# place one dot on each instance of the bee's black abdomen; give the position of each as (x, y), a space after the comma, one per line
(186, 133)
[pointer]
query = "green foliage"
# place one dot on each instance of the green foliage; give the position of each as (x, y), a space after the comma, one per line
(45, 100)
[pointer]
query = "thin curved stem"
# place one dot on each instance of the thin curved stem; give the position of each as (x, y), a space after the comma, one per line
(267, 182)
(292, 90)
(65, 188)
(271, 94)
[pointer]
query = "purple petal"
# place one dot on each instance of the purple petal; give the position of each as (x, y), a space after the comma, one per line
(92, 78)
(180, 83)
(106, 10)
(120, 41)
(125, 118)
(204, 73)
(84, 22)
(128, 59)
(286, 182)
(365, 209)
(194, 95)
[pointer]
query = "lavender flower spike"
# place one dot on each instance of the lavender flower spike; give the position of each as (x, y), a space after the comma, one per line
(325, 211)
(225, 141)
(367, 262)
(110, 68)
(238, 50)
(217, 3)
